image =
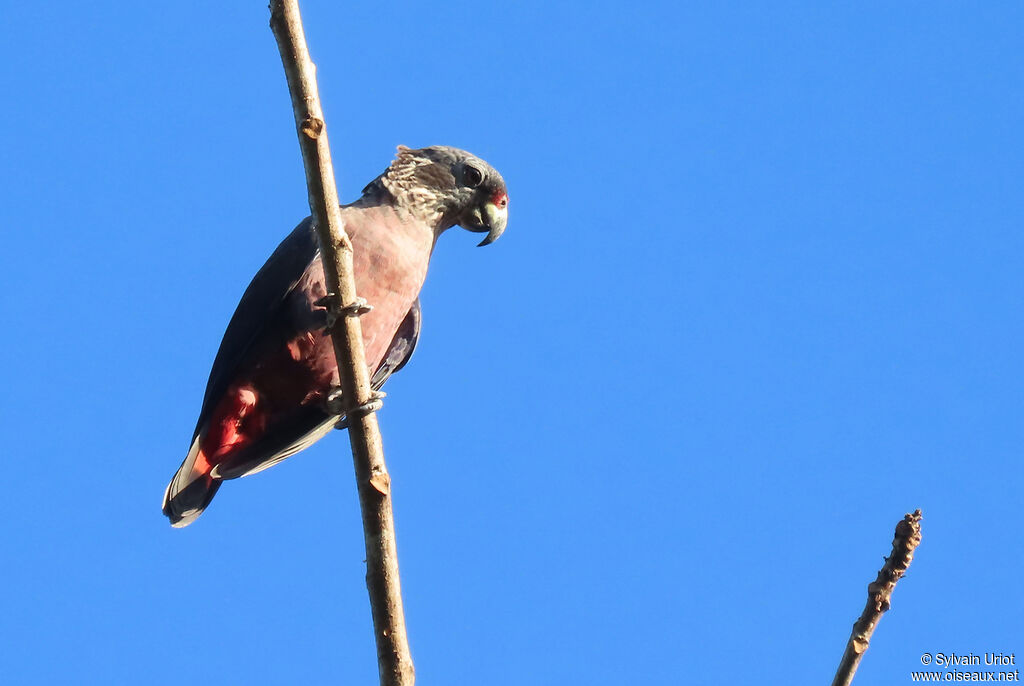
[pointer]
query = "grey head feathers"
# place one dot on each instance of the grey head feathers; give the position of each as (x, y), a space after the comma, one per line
(438, 184)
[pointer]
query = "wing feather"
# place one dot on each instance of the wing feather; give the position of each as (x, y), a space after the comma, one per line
(261, 303)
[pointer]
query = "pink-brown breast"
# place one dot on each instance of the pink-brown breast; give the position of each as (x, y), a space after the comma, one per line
(390, 257)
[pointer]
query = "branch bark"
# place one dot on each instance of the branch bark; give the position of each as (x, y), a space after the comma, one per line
(382, 579)
(908, 537)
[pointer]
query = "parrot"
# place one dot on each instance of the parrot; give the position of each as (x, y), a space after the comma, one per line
(272, 391)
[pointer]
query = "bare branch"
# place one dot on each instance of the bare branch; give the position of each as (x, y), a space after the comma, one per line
(908, 537)
(382, 580)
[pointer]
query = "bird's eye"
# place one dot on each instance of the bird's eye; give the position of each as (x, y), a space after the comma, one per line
(472, 176)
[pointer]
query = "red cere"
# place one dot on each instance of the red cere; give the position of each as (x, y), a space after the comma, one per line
(500, 199)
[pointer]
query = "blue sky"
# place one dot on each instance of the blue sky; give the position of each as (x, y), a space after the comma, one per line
(760, 296)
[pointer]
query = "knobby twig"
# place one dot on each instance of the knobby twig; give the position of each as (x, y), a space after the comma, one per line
(908, 537)
(382, 580)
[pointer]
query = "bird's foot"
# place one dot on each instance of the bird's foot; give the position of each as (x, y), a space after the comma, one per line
(336, 311)
(335, 406)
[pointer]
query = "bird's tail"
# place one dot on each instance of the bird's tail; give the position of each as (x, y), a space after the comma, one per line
(191, 489)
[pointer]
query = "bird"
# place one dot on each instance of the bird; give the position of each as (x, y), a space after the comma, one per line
(273, 388)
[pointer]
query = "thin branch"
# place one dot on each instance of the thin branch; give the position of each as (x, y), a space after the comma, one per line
(908, 537)
(382, 580)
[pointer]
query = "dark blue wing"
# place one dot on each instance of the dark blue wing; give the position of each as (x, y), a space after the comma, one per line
(402, 346)
(259, 310)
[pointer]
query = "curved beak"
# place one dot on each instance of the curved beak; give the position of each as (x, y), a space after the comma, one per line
(494, 220)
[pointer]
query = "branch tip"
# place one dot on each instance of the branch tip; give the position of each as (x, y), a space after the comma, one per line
(906, 539)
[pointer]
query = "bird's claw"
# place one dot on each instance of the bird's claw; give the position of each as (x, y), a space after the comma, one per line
(335, 406)
(336, 311)
(375, 402)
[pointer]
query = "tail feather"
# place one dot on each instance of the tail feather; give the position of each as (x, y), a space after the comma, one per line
(191, 489)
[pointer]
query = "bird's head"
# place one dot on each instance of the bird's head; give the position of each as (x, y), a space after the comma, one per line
(446, 186)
